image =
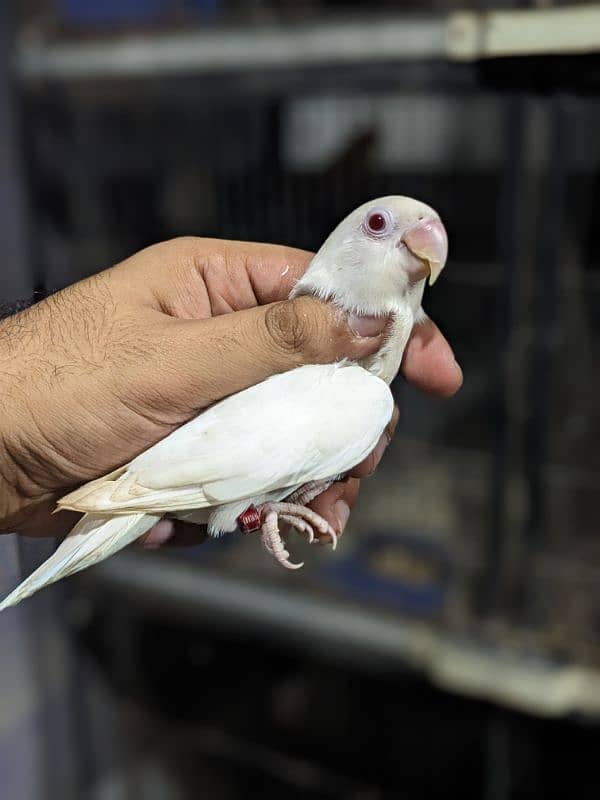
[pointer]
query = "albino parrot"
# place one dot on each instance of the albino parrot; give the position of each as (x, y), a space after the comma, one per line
(255, 459)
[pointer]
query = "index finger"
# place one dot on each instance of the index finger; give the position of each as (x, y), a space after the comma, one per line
(274, 269)
(429, 362)
(194, 278)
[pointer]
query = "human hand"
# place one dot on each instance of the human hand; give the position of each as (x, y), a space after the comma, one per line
(98, 372)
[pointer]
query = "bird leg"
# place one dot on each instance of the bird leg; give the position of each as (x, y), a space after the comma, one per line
(302, 497)
(266, 519)
(300, 525)
(273, 543)
(308, 492)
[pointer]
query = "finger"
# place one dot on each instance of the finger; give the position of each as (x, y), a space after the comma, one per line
(367, 467)
(158, 534)
(336, 502)
(273, 270)
(429, 362)
(39, 522)
(192, 277)
(172, 533)
(204, 360)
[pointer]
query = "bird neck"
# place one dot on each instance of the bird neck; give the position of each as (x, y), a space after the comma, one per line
(385, 363)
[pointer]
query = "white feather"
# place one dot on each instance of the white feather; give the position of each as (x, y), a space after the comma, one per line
(307, 424)
(94, 538)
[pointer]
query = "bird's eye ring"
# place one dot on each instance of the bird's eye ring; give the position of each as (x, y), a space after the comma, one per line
(377, 222)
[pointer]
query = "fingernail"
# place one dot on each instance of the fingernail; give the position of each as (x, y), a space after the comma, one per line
(367, 326)
(342, 512)
(158, 535)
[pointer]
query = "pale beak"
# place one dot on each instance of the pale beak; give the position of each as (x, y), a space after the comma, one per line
(428, 240)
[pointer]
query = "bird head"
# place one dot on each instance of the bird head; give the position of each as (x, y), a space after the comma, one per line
(378, 258)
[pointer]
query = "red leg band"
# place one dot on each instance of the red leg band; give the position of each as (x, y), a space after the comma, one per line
(249, 520)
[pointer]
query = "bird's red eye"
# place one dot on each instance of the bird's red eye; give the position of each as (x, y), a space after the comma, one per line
(376, 222)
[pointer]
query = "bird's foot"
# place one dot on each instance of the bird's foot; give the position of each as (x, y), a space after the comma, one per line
(305, 494)
(266, 519)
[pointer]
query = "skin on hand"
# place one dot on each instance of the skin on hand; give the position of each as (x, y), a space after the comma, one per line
(97, 373)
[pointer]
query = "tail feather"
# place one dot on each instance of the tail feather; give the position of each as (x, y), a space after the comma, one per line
(94, 538)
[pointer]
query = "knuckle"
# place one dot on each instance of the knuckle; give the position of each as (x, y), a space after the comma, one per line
(186, 242)
(289, 327)
(184, 250)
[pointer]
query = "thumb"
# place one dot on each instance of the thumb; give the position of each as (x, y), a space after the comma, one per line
(212, 358)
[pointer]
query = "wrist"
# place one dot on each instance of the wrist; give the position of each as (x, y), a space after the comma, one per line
(12, 504)
(13, 500)
(18, 505)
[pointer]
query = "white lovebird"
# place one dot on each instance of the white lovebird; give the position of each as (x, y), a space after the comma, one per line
(256, 459)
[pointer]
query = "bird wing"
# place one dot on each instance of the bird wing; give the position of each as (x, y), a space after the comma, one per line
(311, 423)
(94, 538)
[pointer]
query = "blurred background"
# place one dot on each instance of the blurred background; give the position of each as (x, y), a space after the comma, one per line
(452, 643)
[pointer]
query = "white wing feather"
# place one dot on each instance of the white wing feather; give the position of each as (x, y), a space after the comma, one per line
(308, 424)
(94, 538)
